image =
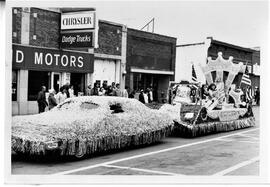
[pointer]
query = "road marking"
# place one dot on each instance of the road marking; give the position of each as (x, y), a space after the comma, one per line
(237, 166)
(232, 140)
(143, 170)
(147, 154)
(244, 135)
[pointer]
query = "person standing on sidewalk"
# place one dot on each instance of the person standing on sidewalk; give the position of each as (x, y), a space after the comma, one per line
(51, 99)
(257, 95)
(71, 91)
(117, 92)
(61, 96)
(94, 90)
(42, 103)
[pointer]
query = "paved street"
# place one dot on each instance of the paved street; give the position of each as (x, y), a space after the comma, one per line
(230, 153)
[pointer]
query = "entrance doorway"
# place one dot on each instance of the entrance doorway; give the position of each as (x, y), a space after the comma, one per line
(55, 81)
(144, 81)
(77, 80)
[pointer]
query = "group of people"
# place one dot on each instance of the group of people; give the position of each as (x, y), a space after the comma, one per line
(107, 90)
(215, 93)
(146, 96)
(65, 92)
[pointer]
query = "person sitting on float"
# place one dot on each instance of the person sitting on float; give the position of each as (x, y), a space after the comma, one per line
(212, 97)
(243, 103)
(212, 91)
(204, 93)
(193, 94)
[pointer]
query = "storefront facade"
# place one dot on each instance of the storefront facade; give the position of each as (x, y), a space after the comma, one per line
(38, 58)
(150, 62)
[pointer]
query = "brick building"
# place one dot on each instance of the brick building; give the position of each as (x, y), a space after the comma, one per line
(37, 31)
(198, 53)
(127, 56)
(150, 62)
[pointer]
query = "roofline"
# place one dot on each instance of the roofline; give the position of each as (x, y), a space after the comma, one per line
(231, 45)
(190, 44)
(171, 37)
(111, 23)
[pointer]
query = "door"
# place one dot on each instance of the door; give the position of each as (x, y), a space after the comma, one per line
(55, 81)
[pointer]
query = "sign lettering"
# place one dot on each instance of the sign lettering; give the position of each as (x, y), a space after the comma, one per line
(43, 59)
(77, 20)
(73, 40)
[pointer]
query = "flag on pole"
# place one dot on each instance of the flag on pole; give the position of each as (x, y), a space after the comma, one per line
(194, 77)
(249, 94)
(245, 77)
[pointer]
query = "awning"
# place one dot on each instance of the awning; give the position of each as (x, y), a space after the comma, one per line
(138, 70)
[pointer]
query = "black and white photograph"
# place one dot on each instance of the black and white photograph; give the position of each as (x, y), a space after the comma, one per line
(136, 92)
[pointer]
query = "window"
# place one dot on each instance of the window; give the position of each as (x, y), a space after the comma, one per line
(88, 105)
(116, 108)
(36, 79)
(14, 85)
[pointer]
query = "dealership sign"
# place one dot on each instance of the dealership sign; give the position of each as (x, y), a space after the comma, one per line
(46, 59)
(78, 29)
(78, 20)
(82, 39)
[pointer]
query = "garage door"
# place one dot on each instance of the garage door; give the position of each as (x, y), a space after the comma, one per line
(104, 70)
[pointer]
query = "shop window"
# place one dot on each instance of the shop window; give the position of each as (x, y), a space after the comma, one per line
(36, 79)
(14, 84)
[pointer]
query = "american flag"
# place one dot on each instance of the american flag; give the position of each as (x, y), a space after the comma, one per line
(249, 94)
(245, 77)
(194, 77)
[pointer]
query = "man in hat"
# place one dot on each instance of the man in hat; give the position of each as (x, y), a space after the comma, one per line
(42, 103)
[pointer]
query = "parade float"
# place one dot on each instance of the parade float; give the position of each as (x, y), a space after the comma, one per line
(225, 110)
(88, 125)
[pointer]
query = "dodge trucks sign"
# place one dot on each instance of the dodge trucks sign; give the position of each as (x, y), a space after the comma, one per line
(82, 39)
(45, 59)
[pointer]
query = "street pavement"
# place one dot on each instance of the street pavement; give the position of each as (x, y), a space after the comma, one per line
(234, 153)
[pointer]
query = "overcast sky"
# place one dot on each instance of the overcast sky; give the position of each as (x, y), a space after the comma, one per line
(241, 23)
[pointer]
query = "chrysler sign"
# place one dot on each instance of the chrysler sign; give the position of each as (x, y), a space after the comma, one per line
(78, 20)
(46, 59)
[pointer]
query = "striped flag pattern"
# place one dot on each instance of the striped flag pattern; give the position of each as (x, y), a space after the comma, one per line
(194, 76)
(245, 78)
(249, 94)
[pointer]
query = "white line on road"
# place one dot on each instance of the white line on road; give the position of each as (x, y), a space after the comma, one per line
(143, 170)
(149, 153)
(232, 140)
(244, 135)
(237, 166)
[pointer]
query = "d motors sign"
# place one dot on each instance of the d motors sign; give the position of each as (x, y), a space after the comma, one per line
(44, 59)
